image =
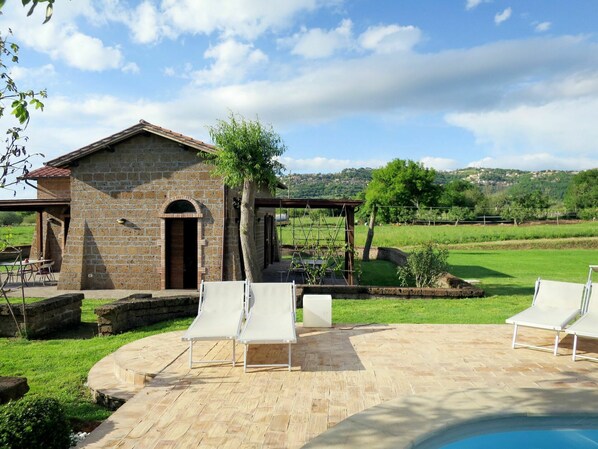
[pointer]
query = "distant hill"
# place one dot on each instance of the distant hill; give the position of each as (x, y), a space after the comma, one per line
(350, 182)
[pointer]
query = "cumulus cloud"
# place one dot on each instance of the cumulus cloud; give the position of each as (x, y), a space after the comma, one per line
(62, 40)
(326, 165)
(542, 27)
(439, 163)
(317, 43)
(232, 61)
(503, 16)
(390, 38)
(535, 161)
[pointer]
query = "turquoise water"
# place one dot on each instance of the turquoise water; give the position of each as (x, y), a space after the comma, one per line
(530, 439)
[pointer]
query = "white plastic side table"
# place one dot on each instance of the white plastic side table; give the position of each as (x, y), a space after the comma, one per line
(317, 311)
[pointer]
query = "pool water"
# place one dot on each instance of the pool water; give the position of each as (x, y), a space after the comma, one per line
(531, 439)
(518, 431)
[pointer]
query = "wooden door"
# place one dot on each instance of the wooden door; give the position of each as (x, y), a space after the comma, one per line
(181, 253)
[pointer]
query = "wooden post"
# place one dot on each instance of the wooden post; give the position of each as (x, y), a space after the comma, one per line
(350, 244)
(40, 234)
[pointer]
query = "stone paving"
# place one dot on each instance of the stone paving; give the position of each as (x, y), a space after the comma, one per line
(336, 374)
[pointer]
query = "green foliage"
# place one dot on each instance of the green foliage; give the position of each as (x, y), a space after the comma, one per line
(34, 423)
(424, 266)
(348, 183)
(14, 160)
(10, 219)
(248, 151)
(461, 193)
(33, 4)
(524, 206)
(583, 190)
(589, 213)
(28, 217)
(459, 213)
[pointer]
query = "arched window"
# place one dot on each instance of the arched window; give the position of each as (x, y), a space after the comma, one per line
(180, 207)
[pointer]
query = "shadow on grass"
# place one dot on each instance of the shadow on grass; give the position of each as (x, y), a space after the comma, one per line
(476, 271)
(508, 290)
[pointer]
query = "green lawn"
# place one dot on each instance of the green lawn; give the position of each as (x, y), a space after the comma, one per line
(17, 235)
(58, 367)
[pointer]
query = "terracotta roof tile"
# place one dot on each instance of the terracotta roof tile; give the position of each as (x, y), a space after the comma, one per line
(48, 172)
(142, 126)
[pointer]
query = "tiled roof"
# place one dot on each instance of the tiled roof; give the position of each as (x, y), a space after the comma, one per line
(48, 172)
(142, 126)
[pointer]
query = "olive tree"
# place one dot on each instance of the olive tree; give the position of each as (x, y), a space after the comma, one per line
(247, 159)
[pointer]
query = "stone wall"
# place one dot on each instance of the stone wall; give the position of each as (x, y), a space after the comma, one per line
(43, 317)
(141, 310)
(133, 180)
(393, 255)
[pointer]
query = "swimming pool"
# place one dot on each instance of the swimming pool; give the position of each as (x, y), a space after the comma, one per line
(553, 432)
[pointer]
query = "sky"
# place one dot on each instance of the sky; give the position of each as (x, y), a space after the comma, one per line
(346, 83)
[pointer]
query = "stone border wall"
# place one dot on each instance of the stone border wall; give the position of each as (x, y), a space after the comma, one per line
(141, 310)
(43, 317)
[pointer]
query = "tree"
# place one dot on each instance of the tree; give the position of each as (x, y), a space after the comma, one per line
(34, 3)
(461, 193)
(247, 158)
(583, 190)
(401, 183)
(14, 160)
(524, 206)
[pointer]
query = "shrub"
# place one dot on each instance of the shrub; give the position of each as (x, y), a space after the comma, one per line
(34, 423)
(589, 213)
(424, 266)
(10, 218)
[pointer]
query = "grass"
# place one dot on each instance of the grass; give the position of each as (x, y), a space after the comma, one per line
(17, 235)
(58, 366)
(506, 276)
(404, 236)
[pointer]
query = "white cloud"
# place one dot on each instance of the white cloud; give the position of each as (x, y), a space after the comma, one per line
(318, 43)
(234, 17)
(327, 165)
(144, 23)
(390, 38)
(542, 27)
(558, 134)
(232, 61)
(61, 39)
(439, 163)
(535, 161)
(472, 4)
(503, 16)
(130, 67)
(29, 75)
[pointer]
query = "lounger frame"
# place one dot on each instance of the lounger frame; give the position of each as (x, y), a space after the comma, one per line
(557, 328)
(214, 337)
(248, 341)
(590, 314)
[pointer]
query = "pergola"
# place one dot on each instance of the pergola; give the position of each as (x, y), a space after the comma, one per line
(348, 206)
(34, 205)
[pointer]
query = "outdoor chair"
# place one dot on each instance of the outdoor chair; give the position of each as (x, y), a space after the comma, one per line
(587, 325)
(270, 319)
(44, 272)
(220, 314)
(555, 305)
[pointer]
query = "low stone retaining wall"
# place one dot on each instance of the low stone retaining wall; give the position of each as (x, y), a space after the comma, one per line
(371, 291)
(393, 255)
(43, 317)
(141, 310)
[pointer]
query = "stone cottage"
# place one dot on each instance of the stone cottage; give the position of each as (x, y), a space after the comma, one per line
(140, 209)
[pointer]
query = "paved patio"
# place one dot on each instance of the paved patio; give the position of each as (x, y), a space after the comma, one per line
(432, 374)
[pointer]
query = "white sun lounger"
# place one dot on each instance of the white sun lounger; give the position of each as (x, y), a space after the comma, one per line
(587, 325)
(270, 318)
(555, 305)
(220, 315)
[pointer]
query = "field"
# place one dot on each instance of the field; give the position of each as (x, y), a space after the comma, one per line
(58, 366)
(404, 236)
(17, 235)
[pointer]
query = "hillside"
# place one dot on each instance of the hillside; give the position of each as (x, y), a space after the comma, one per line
(350, 182)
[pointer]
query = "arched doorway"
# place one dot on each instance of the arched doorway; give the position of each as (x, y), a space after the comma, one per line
(181, 252)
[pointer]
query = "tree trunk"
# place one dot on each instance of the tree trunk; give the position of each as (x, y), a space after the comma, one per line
(370, 236)
(253, 273)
